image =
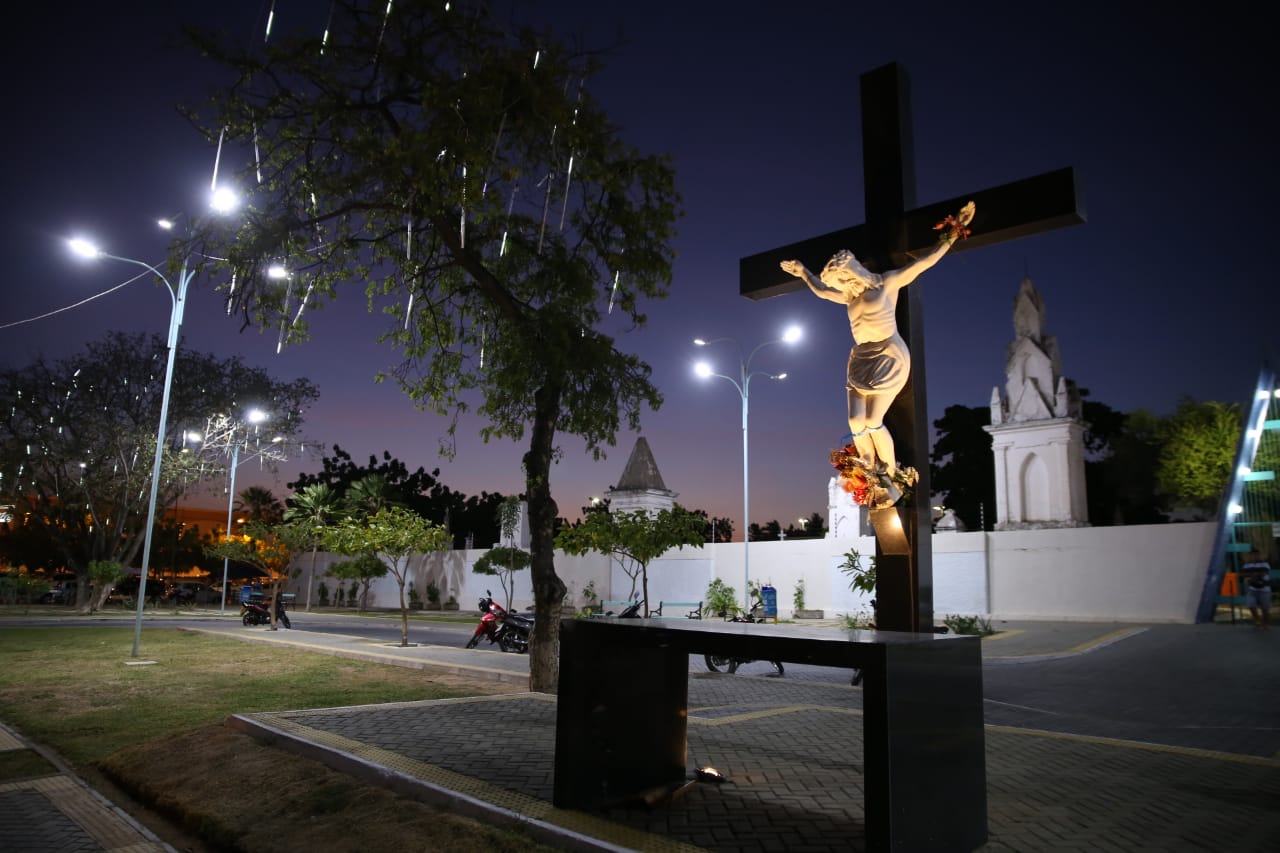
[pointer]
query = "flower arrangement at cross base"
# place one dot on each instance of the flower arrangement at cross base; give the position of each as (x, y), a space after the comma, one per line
(870, 484)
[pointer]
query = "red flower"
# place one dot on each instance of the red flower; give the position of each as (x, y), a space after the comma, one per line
(954, 229)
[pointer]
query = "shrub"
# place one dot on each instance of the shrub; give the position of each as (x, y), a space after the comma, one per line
(859, 578)
(972, 625)
(721, 598)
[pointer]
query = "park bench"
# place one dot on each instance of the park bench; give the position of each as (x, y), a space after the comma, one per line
(611, 608)
(924, 755)
(677, 610)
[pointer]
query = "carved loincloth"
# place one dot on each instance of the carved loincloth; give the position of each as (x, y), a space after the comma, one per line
(879, 367)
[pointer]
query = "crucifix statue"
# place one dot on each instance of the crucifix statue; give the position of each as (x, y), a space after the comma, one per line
(895, 245)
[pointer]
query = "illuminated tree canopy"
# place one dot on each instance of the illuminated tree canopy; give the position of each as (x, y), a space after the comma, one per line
(458, 176)
(77, 439)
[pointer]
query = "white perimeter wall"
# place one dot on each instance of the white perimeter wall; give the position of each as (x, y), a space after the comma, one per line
(1148, 573)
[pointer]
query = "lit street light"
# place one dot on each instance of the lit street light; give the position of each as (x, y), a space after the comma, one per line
(255, 417)
(743, 386)
(178, 299)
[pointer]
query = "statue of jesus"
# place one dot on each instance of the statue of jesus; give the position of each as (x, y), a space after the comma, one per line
(880, 361)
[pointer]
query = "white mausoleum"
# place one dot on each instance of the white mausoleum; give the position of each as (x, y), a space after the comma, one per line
(1036, 429)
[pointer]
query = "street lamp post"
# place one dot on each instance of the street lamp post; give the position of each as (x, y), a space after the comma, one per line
(178, 300)
(226, 434)
(743, 386)
(222, 201)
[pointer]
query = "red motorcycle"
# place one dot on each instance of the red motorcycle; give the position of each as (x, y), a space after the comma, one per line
(510, 631)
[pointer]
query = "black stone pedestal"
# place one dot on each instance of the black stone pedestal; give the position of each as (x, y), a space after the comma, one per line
(622, 723)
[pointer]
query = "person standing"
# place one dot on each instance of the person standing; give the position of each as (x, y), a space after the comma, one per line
(1257, 589)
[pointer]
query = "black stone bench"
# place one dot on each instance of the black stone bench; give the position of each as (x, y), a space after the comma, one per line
(923, 738)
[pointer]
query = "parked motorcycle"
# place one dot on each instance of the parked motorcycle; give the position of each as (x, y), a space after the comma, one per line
(718, 663)
(254, 613)
(509, 631)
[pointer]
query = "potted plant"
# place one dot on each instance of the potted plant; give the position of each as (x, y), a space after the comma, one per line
(415, 600)
(451, 603)
(323, 592)
(433, 596)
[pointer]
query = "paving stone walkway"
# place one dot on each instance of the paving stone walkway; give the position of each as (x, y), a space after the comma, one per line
(792, 752)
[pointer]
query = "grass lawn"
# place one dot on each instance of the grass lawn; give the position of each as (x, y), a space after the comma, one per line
(155, 731)
(71, 688)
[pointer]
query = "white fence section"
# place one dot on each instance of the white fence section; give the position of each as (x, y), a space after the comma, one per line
(1148, 573)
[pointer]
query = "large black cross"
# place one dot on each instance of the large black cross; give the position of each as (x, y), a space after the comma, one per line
(895, 231)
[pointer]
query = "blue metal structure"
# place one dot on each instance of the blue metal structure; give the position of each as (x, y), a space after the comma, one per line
(1248, 515)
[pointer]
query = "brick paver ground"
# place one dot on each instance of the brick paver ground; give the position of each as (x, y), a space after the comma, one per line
(57, 813)
(793, 753)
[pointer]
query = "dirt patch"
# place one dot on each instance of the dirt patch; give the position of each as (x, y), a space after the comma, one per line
(226, 791)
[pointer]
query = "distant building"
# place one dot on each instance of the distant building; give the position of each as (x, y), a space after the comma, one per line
(641, 486)
(1037, 433)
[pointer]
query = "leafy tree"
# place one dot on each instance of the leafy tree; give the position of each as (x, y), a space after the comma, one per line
(467, 517)
(961, 464)
(715, 529)
(814, 527)
(370, 495)
(103, 574)
(269, 547)
(396, 534)
(504, 560)
(1121, 481)
(257, 502)
(362, 571)
(77, 440)
(1198, 447)
(178, 547)
(1103, 426)
(313, 506)
(459, 168)
(635, 538)
(770, 531)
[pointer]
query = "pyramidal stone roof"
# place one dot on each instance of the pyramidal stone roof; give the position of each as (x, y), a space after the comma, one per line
(641, 472)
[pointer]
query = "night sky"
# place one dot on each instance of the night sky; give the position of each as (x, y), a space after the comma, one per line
(1167, 116)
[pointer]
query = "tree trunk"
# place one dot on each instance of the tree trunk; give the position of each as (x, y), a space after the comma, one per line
(404, 612)
(97, 597)
(644, 585)
(548, 589)
(276, 589)
(85, 592)
(311, 576)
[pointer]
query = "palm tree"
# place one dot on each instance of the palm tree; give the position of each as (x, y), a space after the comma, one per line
(313, 506)
(370, 494)
(260, 504)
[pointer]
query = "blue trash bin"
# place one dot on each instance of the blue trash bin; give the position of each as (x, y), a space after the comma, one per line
(769, 596)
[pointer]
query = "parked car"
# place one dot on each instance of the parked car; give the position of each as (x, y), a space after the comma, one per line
(190, 592)
(63, 591)
(157, 589)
